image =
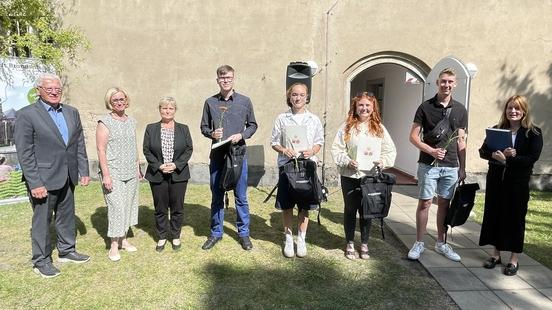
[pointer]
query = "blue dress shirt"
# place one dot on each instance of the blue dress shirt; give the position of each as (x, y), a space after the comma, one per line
(57, 116)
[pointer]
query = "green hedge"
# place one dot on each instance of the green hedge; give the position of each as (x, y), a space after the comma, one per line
(13, 187)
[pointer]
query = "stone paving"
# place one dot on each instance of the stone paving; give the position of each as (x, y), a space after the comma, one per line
(469, 284)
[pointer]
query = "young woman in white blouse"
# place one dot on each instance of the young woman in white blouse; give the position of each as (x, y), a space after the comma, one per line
(363, 122)
(297, 115)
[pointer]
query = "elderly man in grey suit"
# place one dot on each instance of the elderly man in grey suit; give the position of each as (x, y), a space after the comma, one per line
(50, 148)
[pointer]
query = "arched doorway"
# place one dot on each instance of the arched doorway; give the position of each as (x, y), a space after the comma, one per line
(397, 80)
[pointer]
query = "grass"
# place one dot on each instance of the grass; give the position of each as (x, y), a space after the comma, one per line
(538, 225)
(224, 277)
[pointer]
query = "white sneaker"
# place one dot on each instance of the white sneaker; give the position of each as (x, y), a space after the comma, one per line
(417, 249)
(301, 247)
(447, 251)
(288, 246)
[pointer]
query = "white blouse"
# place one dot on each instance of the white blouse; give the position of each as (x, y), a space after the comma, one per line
(343, 152)
(315, 131)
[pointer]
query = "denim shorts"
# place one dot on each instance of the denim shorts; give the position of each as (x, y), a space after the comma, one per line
(436, 180)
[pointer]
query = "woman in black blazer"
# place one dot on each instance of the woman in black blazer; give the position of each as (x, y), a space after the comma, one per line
(168, 148)
(507, 189)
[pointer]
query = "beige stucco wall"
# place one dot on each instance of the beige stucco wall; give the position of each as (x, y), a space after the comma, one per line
(158, 48)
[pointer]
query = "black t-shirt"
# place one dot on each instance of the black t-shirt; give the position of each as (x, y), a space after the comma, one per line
(431, 112)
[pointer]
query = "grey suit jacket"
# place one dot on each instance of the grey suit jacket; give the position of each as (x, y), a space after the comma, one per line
(183, 148)
(42, 154)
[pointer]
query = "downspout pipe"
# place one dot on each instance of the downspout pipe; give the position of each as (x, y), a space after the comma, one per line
(326, 89)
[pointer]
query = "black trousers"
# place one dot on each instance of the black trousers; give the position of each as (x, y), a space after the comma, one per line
(352, 198)
(62, 203)
(168, 196)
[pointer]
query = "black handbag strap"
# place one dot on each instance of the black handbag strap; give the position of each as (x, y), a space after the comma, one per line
(444, 120)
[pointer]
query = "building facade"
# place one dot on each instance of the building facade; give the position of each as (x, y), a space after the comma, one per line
(172, 48)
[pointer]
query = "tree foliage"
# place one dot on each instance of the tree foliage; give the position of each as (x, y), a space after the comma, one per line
(33, 28)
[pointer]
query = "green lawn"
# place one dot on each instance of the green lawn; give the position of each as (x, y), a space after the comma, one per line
(224, 277)
(538, 225)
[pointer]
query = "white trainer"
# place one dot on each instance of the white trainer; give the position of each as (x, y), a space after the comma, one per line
(417, 249)
(447, 251)
(301, 247)
(288, 246)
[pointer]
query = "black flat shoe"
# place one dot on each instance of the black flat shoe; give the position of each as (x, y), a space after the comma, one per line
(210, 242)
(246, 243)
(176, 247)
(511, 269)
(491, 262)
(160, 248)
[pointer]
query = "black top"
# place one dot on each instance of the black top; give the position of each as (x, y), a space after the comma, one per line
(429, 113)
(183, 148)
(528, 147)
(239, 117)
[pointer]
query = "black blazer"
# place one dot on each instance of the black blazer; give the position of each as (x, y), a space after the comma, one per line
(183, 148)
(528, 150)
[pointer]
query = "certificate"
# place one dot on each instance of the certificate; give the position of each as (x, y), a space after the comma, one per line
(368, 151)
(220, 143)
(295, 137)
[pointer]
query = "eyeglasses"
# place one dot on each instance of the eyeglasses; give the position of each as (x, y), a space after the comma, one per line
(50, 90)
(118, 100)
(226, 78)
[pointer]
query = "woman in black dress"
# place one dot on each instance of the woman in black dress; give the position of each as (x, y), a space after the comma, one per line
(507, 189)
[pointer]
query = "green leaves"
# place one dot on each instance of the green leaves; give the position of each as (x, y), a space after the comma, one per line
(32, 28)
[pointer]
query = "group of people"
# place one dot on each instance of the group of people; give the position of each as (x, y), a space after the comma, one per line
(441, 166)
(50, 147)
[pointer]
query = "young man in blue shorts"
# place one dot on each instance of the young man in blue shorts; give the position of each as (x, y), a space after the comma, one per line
(442, 160)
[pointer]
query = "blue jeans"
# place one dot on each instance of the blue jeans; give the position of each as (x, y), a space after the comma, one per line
(217, 201)
(440, 180)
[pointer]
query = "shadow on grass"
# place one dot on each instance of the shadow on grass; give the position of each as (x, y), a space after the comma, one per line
(314, 283)
(99, 223)
(79, 225)
(146, 221)
(199, 218)
(317, 234)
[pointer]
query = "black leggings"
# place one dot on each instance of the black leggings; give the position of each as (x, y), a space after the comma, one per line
(352, 197)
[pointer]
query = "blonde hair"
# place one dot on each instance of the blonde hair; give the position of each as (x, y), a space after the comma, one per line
(526, 120)
(112, 91)
(165, 101)
(290, 89)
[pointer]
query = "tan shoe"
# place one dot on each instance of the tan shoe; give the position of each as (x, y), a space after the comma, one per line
(125, 245)
(114, 257)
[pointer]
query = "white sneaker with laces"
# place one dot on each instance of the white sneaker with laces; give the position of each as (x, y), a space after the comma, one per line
(417, 249)
(447, 251)
(301, 247)
(288, 246)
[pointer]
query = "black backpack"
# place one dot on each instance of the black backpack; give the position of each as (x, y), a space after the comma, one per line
(376, 196)
(231, 171)
(461, 204)
(304, 185)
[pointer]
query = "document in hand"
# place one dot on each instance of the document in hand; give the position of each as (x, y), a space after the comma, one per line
(368, 151)
(498, 139)
(221, 143)
(295, 137)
